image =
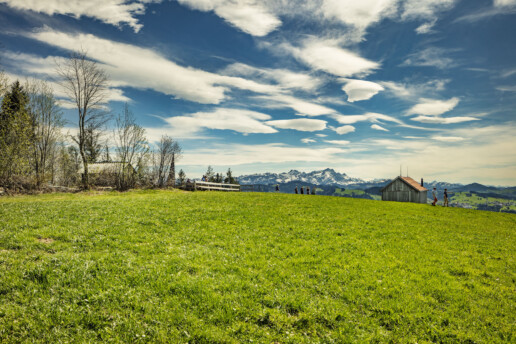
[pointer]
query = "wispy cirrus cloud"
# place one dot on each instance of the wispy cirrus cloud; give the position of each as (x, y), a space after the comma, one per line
(239, 154)
(133, 66)
(408, 90)
(259, 18)
(338, 142)
(443, 120)
(301, 124)
(301, 106)
(431, 57)
(378, 127)
(327, 55)
(114, 12)
(447, 138)
(500, 7)
(111, 94)
(239, 120)
(252, 17)
(284, 78)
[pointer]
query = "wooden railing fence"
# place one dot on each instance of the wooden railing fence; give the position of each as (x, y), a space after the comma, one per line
(195, 185)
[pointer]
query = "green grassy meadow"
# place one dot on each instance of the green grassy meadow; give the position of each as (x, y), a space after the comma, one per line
(210, 267)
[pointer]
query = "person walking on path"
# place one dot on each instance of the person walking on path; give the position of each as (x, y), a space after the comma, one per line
(277, 187)
(445, 198)
(302, 190)
(308, 190)
(296, 191)
(434, 194)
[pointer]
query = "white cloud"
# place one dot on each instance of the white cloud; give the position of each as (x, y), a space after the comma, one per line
(504, 3)
(360, 89)
(430, 57)
(502, 7)
(426, 27)
(308, 140)
(250, 16)
(359, 14)
(285, 78)
(448, 138)
(425, 9)
(506, 88)
(409, 91)
(112, 94)
(373, 118)
(485, 155)
(370, 117)
(114, 12)
(243, 121)
(345, 129)
(338, 142)
(433, 107)
(378, 127)
(327, 55)
(237, 154)
(301, 124)
(441, 120)
(507, 73)
(132, 66)
(303, 107)
(362, 14)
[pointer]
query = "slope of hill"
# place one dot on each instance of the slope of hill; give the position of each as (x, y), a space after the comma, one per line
(203, 267)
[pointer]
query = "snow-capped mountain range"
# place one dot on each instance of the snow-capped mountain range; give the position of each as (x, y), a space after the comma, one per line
(323, 177)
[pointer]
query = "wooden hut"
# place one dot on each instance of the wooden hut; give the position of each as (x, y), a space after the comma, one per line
(405, 189)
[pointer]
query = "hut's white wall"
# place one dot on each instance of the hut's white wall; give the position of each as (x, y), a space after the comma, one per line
(399, 191)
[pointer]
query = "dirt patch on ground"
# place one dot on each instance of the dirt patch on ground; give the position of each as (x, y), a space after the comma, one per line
(46, 240)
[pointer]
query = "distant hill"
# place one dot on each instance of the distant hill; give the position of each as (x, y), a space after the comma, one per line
(477, 188)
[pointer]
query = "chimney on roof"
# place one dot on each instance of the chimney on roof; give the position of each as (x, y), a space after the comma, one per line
(422, 182)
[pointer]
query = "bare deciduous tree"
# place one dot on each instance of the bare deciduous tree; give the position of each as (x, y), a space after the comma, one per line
(4, 84)
(47, 123)
(131, 148)
(86, 85)
(168, 153)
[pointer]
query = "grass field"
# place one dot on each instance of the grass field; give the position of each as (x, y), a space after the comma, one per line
(175, 267)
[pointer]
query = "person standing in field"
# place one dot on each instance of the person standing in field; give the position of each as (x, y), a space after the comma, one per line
(445, 198)
(296, 191)
(277, 187)
(302, 190)
(434, 194)
(313, 190)
(308, 190)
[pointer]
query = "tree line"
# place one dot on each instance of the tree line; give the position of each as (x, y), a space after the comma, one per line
(34, 152)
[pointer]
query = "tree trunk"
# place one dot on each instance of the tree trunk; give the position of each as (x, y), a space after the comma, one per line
(85, 179)
(172, 173)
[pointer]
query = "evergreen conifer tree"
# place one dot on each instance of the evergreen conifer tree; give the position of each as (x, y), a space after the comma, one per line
(16, 135)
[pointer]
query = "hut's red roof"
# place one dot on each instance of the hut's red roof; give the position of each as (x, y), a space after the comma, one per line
(414, 184)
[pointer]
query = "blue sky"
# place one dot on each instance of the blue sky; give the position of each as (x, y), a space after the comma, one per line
(269, 86)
